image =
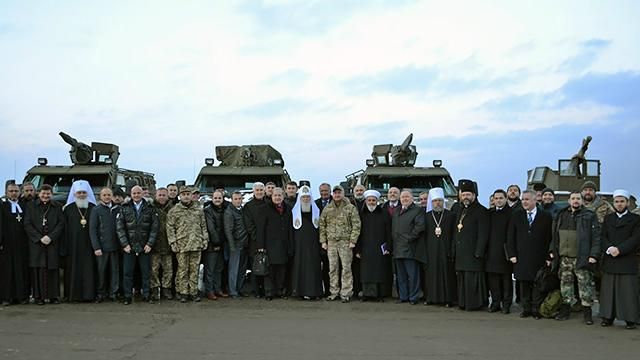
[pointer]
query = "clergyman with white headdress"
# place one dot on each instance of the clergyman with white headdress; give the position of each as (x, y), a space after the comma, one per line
(307, 274)
(440, 279)
(79, 279)
(373, 248)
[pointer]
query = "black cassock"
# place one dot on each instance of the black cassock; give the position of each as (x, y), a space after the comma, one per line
(307, 274)
(80, 271)
(441, 282)
(375, 268)
(44, 219)
(14, 275)
(470, 246)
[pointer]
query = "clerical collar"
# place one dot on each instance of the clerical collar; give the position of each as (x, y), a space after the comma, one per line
(620, 215)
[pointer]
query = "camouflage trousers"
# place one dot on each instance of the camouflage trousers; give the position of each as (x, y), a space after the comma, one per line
(164, 262)
(187, 272)
(340, 256)
(586, 286)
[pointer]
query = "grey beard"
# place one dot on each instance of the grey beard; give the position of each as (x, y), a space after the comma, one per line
(82, 203)
(359, 197)
(305, 207)
(371, 208)
(437, 208)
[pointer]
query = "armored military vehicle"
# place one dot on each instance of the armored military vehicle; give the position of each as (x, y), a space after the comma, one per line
(569, 175)
(391, 166)
(240, 167)
(97, 164)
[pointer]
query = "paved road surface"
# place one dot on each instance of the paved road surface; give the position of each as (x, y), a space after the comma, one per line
(293, 329)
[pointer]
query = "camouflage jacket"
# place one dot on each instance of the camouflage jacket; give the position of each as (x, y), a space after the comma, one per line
(162, 244)
(601, 207)
(339, 221)
(187, 228)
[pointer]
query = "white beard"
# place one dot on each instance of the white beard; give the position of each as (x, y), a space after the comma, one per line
(359, 197)
(305, 207)
(82, 203)
(438, 209)
(371, 208)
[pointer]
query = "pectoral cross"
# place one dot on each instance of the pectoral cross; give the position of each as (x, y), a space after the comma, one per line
(19, 218)
(44, 222)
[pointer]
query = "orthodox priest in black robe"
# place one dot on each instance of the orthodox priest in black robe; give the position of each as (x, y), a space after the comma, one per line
(80, 271)
(440, 281)
(471, 236)
(620, 241)
(372, 248)
(44, 225)
(14, 260)
(306, 271)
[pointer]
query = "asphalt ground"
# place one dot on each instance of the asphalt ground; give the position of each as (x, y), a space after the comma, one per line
(293, 329)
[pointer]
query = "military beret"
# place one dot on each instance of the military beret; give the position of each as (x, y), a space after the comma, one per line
(185, 189)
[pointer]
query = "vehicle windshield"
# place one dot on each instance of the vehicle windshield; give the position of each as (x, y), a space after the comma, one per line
(207, 184)
(62, 183)
(417, 184)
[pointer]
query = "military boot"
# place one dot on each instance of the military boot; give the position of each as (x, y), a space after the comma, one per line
(155, 294)
(166, 293)
(564, 312)
(586, 313)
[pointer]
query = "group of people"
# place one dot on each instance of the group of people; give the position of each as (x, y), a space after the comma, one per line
(335, 247)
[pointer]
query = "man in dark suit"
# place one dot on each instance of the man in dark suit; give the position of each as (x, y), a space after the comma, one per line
(393, 201)
(528, 239)
(407, 226)
(322, 202)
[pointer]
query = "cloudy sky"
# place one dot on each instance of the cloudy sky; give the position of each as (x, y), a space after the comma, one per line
(492, 90)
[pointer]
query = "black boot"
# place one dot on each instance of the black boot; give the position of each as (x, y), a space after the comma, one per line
(586, 312)
(166, 293)
(564, 312)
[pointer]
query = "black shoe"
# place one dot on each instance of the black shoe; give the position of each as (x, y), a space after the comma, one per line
(54, 301)
(536, 315)
(564, 313)
(127, 301)
(400, 301)
(99, 299)
(268, 298)
(493, 309)
(506, 310)
(40, 301)
(147, 299)
(284, 297)
(606, 322)
(630, 325)
(413, 302)
(196, 298)
(331, 298)
(525, 314)
(587, 315)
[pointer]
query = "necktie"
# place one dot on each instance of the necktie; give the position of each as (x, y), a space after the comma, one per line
(530, 217)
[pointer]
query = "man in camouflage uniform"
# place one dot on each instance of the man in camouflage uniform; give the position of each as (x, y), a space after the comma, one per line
(576, 245)
(339, 232)
(187, 236)
(161, 256)
(594, 202)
